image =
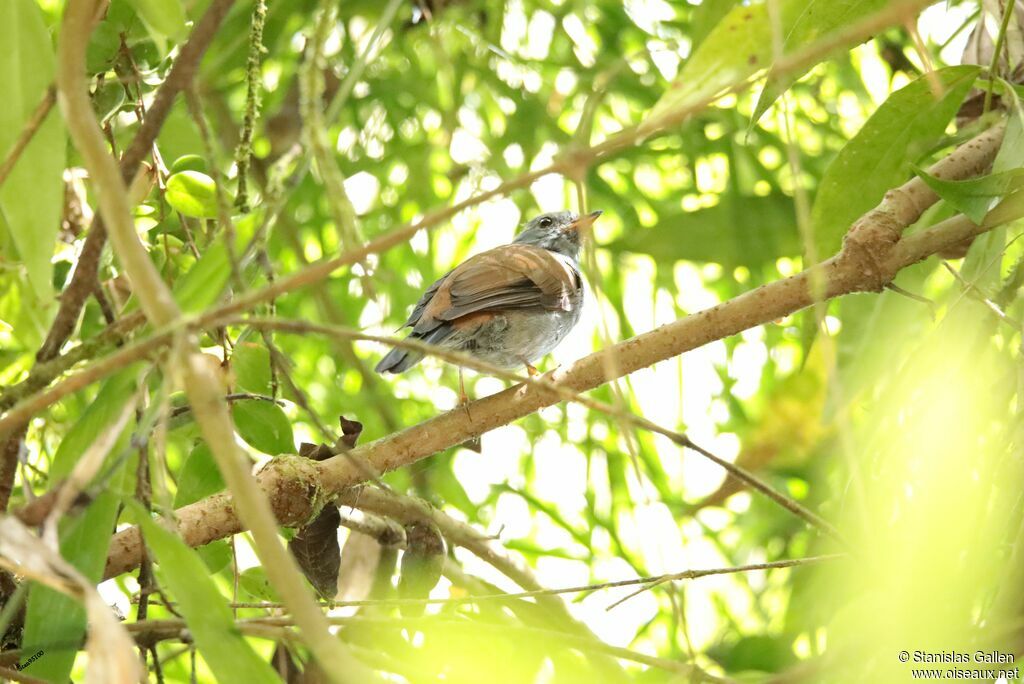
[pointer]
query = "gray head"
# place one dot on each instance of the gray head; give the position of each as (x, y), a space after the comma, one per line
(558, 231)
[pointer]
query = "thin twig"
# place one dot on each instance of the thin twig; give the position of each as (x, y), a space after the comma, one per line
(271, 627)
(28, 131)
(993, 68)
(202, 386)
(230, 398)
(974, 292)
(695, 574)
(253, 79)
(646, 582)
(563, 392)
(314, 128)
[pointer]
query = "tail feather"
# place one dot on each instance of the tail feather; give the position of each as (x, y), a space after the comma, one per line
(399, 360)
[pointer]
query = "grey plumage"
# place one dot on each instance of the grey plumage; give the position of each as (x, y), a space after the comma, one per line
(507, 306)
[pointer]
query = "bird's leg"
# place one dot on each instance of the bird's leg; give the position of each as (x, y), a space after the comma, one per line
(463, 397)
(530, 371)
(473, 443)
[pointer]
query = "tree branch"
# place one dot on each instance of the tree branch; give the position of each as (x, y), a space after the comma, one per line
(870, 258)
(35, 120)
(180, 76)
(574, 158)
(201, 385)
(84, 280)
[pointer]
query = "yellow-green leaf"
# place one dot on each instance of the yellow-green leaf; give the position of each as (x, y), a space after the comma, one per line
(264, 426)
(165, 18)
(205, 610)
(879, 157)
(32, 196)
(193, 194)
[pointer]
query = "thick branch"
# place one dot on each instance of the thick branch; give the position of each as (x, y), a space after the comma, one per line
(573, 159)
(201, 385)
(847, 272)
(84, 279)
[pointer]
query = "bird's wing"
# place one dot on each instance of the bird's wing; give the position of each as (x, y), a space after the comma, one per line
(511, 276)
(417, 311)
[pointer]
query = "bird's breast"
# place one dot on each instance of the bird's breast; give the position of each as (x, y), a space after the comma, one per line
(516, 337)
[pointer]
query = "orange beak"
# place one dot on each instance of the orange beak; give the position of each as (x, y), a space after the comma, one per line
(584, 221)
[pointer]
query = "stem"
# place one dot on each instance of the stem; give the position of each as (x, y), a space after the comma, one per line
(201, 384)
(243, 154)
(993, 67)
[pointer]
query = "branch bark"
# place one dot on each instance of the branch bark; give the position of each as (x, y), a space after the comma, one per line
(84, 281)
(35, 120)
(872, 255)
(201, 385)
(180, 76)
(573, 158)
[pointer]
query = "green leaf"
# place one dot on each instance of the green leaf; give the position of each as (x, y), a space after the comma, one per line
(736, 48)
(443, 481)
(104, 44)
(108, 100)
(199, 477)
(208, 616)
(216, 555)
(189, 162)
(166, 18)
(1009, 159)
(100, 413)
(879, 157)
(804, 22)
(193, 193)
(264, 426)
(739, 231)
(250, 364)
(202, 285)
(54, 618)
(705, 17)
(32, 196)
(974, 196)
(19, 309)
(253, 581)
(759, 653)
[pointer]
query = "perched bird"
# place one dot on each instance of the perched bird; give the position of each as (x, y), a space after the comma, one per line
(508, 306)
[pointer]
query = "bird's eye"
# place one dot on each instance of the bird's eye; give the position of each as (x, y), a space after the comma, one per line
(545, 222)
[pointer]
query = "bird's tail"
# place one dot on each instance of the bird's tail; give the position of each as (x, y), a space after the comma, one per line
(398, 361)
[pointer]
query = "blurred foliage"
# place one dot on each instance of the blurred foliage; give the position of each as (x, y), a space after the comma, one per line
(896, 419)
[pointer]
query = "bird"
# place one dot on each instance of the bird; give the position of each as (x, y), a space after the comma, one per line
(508, 306)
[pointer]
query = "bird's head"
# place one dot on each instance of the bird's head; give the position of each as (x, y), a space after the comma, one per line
(559, 231)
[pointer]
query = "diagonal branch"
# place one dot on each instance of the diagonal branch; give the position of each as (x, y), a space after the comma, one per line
(35, 121)
(870, 258)
(546, 383)
(202, 386)
(180, 76)
(84, 280)
(574, 159)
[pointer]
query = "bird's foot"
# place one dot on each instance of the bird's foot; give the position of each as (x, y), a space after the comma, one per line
(531, 371)
(463, 397)
(464, 404)
(473, 443)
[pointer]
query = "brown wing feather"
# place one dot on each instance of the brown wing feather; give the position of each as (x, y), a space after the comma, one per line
(511, 276)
